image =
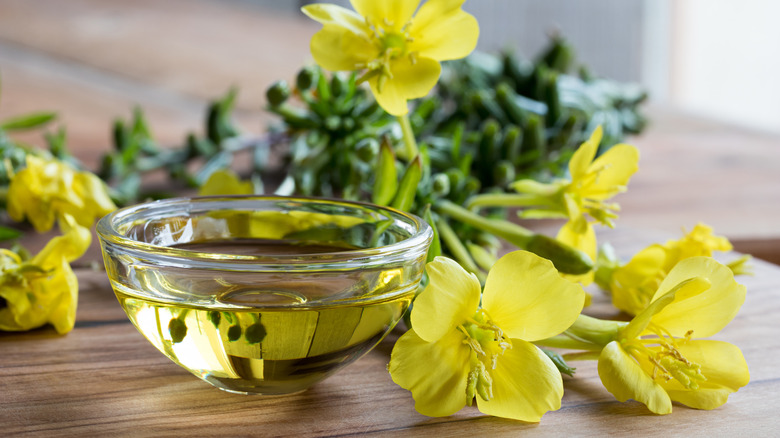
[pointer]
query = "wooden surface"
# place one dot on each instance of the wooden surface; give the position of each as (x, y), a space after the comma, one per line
(104, 379)
(93, 60)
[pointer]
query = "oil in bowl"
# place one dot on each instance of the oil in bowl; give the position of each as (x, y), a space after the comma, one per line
(263, 295)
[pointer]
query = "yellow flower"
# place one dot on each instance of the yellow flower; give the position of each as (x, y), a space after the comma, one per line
(47, 189)
(457, 350)
(656, 358)
(635, 283)
(225, 182)
(43, 289)
(399, 52)
(592, 183)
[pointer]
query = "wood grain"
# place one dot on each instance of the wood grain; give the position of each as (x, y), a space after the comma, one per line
(104, 378)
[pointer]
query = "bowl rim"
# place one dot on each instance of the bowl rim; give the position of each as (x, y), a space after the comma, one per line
(107, 231)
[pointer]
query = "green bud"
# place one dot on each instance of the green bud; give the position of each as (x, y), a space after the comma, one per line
(567, 259)
(504, 173)
(441, 184)
(255, 333)
(277, 93)
(367, 149)
(307, 76)
(215, 317)
(332, 123)
(178, 330)
(234, 332)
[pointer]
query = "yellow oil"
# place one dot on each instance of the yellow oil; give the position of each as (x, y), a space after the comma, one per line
(266, 338)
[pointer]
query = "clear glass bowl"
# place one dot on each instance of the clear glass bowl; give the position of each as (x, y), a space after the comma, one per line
(262, 294)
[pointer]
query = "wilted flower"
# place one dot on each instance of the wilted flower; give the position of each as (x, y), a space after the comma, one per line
(43, 289)
(47, 189)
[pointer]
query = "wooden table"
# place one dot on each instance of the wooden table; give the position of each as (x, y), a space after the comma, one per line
(104, 378)
(93, 60)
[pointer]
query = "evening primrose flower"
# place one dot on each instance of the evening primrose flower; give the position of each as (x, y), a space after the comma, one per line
(657, 358)
(44, 289)
(47, 189)
(634, 284)
(399, 50)
(458, 350)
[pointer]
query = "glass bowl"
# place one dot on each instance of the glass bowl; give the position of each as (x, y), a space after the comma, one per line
(263, 294)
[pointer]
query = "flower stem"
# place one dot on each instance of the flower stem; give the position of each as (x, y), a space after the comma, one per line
(410, 144)
(506, 200)
(458, 250)
(595, 331)
(582, 355)
(513, 233)
(566, 341)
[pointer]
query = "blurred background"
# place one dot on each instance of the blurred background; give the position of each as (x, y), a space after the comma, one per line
(711, 152)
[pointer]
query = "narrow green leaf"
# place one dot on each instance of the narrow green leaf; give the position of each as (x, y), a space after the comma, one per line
(386, 184)
(27, 121)
(408, 186)
(7, 233)
(435, 249)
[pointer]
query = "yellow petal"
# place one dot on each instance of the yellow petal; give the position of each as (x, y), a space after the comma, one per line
(336, 48)
(71, 245)
(583, 156)
(528, 299)
(409, 81)
(625, 379)
(225, 182)
(442, 31)
(685, 288)
(65, 287)
(451, 297)
(722, 364)
(634, 284)
(619, 163)
(583, 241)
(435, 372)
(387, 14)
(526, 384)
(705, 313)
(327, 13)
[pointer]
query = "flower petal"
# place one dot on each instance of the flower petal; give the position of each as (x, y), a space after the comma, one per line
(451, 297)
(409, 81)
(687, 287)
(337, 48)
(625, 379)
(526, 384)
(435, 372)
(722, 364)
(705, 313)
(65, 286)
(327, 13)
(583, 157)
(585, 242)
(442, 31)
(388, 14)
(617, 164)
(528, 299)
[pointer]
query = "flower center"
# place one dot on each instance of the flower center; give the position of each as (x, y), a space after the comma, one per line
(487, 343)
(391, 44)
(669, 363)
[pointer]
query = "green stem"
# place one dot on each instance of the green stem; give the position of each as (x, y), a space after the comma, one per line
(583, 355)
(506, 200)
(565, 341)
(513, 233)
(458, 250)
(410, 144)
(595, 331)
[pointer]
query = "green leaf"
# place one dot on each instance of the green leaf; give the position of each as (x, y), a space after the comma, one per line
(408, 186)
(27, 121)
(435, 249)
(386, 184)
(9, 233)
